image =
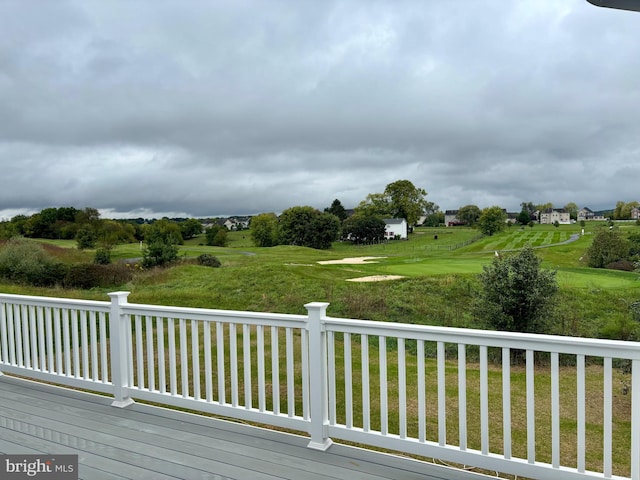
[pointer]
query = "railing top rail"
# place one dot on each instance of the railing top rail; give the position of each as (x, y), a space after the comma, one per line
(205, 314)
(468, 336)
(55, 301)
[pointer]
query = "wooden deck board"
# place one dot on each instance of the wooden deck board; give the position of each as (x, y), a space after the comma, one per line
(147, 442)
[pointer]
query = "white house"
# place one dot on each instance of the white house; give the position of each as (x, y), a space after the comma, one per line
(553, 215)
(451, 218)
(587, 214)
(395, 228)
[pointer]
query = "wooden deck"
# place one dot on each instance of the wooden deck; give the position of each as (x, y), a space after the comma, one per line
(148, 442)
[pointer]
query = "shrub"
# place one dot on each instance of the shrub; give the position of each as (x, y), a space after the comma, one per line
(103, 256)
(87, 275)
(516, 293)
(86, 237)
(620, 328)
(207, 260)
(25, 261)
(608, 246)
(159, 253)
(217, 236)
(52, 274)
(624, 265)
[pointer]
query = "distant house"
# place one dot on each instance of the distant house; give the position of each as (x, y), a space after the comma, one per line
(553, 215)
(635, 213)
(512, 217)
(586, 214)
(395, 228)
(235, 223)
(451, 218)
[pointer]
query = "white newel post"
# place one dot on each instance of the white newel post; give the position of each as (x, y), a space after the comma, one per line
(4, 357)
(635, 420)
(118, 351)
(318, 376)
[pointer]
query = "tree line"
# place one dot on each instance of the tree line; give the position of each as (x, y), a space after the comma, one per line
(90, 231)
(309, 227)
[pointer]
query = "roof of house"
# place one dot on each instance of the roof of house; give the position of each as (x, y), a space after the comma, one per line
(394, 221)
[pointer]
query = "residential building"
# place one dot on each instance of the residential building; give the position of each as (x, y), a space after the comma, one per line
(451, 218)
(553, 215)
(395, 228)
(587, 214)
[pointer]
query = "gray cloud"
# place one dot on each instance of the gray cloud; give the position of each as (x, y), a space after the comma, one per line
(216, 108)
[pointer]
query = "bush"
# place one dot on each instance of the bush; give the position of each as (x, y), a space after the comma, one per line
(86, 237)
(103, 256)
(159, 253)
(517, 295)
(217, 236)
(25, 261)
(624, 265)
(207, 260)
(608, 246)
(52, 274)
(620, 328)
(87, 275)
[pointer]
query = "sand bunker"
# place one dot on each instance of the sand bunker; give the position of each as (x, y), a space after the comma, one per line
(350, 261)
(375, 278)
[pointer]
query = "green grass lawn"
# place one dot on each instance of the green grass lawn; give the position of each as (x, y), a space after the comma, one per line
(439, 266)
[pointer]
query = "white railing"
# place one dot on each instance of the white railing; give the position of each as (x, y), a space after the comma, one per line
(532, 405)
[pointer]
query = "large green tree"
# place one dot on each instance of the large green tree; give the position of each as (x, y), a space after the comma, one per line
(376, 204)
(307, 227)
(492, 220)
(516, 294)
(364, 229)
(623, 210)
(469, 214)
(523, 217)
(528, 207)
(52, 223)
(264, 230)
(325, 229)
(337, 209)
(295, 225)
(400, 199)
(573, 209)
(190, 228)
(216, 236)
(407, 201)
(434, 219)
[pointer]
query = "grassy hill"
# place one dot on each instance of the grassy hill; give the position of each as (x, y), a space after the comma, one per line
(439, 267)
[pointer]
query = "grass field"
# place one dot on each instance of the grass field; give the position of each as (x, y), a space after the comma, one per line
(439, 267)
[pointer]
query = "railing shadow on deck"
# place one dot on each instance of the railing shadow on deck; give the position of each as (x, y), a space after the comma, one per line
(538, 406)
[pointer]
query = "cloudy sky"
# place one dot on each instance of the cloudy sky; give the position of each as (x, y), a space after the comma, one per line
(206, 108)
